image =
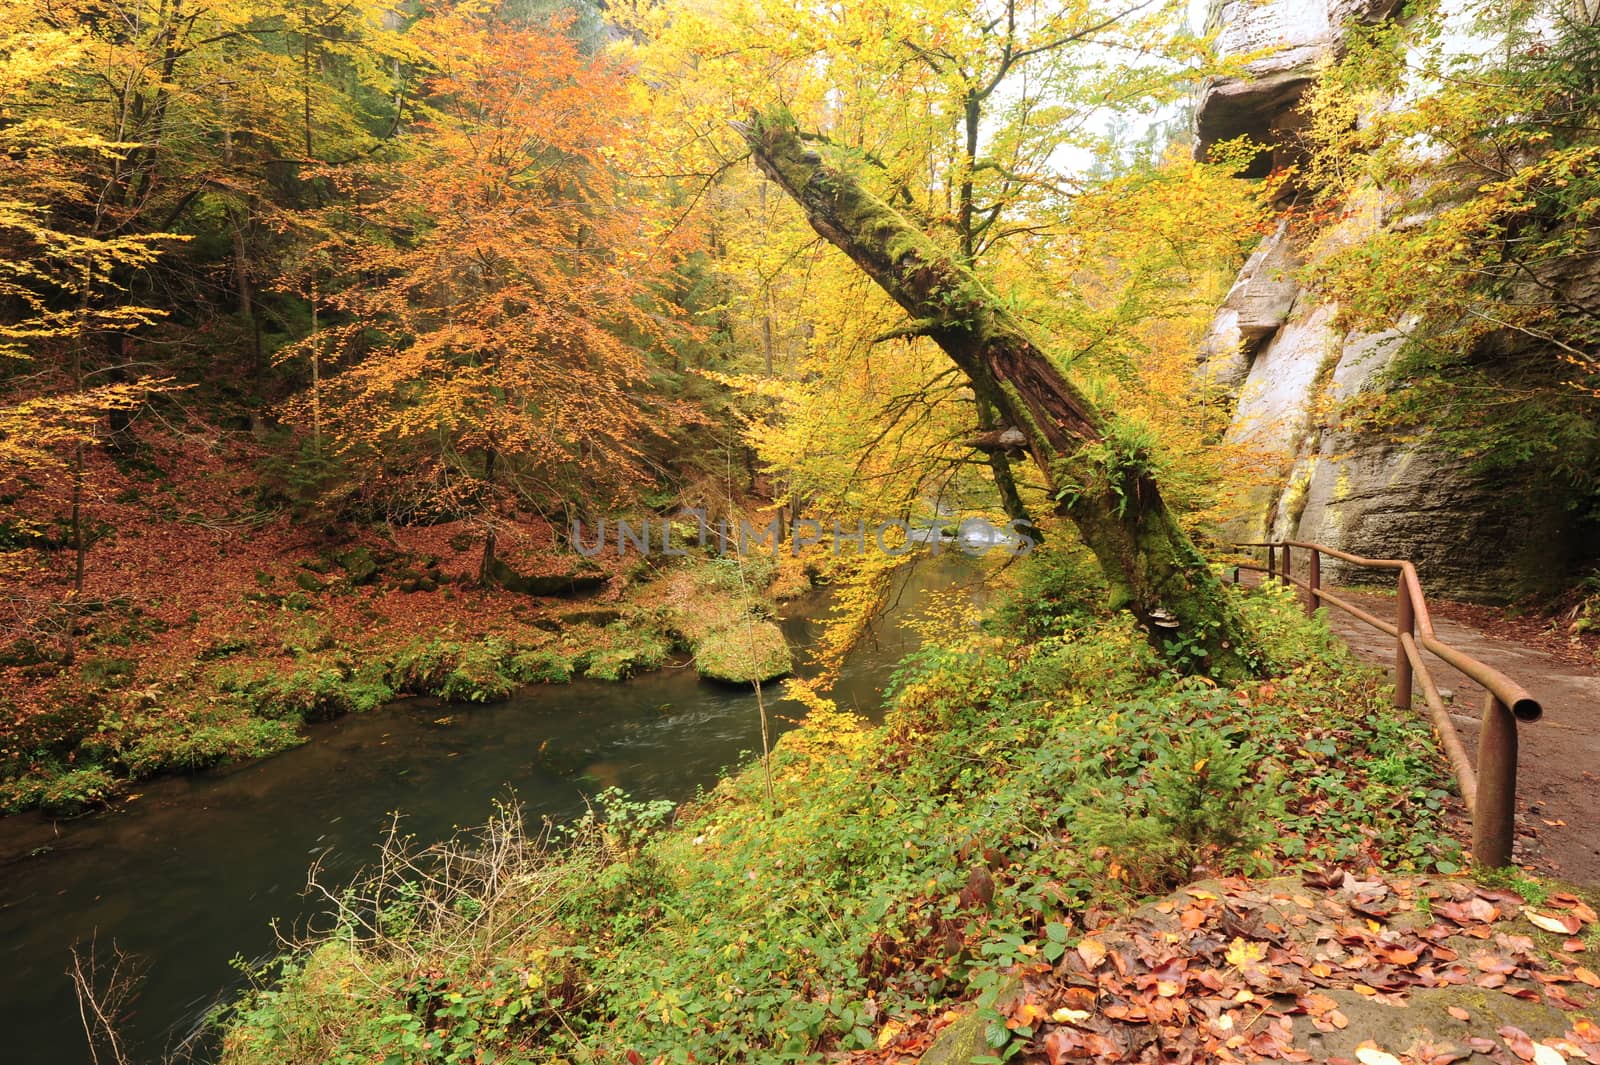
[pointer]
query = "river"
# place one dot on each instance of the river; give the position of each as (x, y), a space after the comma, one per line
(195, 870)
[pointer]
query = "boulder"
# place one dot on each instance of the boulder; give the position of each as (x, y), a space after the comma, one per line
(749, 651)
(1255, 309)
(599, 617)
(358, 564)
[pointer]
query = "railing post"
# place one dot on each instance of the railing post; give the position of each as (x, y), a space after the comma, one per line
(1313, 581)
(1405, 622)
(1494, 820)
(1288, 569)
(1272, 563)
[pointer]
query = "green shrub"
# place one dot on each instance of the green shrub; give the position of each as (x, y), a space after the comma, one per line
(540, 667)
(479, 676)
(58, 790)
(225, 646)
(315, 691)
(1059, 586)
(1200, 806)
(319, 694)
(421, 667)
(1282, 634)
(108, 672)
(627, 648)
(751, 573)
(189, 747)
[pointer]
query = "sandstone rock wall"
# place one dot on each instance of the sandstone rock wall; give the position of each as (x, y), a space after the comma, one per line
(1275, 349)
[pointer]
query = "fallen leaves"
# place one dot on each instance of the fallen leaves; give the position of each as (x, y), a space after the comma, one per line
(1234, 972)
(1567, 924)
(1242, 954)
(1547, 1055)
(1520, 1042)
(1369, 1054)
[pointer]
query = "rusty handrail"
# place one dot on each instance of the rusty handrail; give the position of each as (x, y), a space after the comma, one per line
(1490, 789)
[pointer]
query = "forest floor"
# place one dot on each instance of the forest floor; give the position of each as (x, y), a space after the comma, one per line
(1558, 816)
(1324, 967)
(216, 617)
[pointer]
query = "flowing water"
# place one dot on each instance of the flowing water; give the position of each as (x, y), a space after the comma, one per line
(196, 869)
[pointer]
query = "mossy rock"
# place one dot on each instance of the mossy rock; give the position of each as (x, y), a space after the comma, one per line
(967, 1037)
(964, 1039)
(599, 618)
(621, 651)
(746, 652)
(1427, 1018)
(582, 579)
(308, 581)
(358, 564)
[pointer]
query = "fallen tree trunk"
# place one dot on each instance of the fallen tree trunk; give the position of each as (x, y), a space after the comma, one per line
(1103, 485)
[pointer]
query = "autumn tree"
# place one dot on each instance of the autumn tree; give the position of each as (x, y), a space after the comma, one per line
(960, 116)
(141, 144)
(493, 288)
(217, 109)
(61, 275)
(1099, 474)
(975, 125)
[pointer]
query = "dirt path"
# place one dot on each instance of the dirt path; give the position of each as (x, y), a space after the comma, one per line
(1558, 767)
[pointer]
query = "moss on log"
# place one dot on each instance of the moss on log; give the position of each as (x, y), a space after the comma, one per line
(1113, 500)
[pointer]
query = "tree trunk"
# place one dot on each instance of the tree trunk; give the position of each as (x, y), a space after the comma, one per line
(120, 438)
(1005, 483)
(486, 563)
(80, 546)
(316, 370)
(1103, 487)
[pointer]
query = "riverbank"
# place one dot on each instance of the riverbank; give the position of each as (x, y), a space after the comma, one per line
(1023, 783)
(208, 636)
(195, 869)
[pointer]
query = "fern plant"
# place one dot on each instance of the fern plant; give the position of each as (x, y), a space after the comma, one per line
(1199, 809)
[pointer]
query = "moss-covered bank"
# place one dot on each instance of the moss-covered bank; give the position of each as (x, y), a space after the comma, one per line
(291, 660)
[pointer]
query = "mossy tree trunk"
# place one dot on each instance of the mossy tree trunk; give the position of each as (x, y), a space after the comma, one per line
(1108, 493)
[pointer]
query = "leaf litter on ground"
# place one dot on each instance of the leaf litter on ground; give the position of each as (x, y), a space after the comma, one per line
(1240, 971)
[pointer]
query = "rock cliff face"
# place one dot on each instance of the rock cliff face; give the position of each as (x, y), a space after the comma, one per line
(1279, 43)
(1274, 347)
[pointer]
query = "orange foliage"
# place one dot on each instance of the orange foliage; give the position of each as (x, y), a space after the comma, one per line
(497, 288)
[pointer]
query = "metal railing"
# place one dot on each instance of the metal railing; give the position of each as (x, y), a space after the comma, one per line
(1490, 788)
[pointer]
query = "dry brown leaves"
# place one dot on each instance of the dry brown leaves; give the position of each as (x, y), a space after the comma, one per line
(1221, 972)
